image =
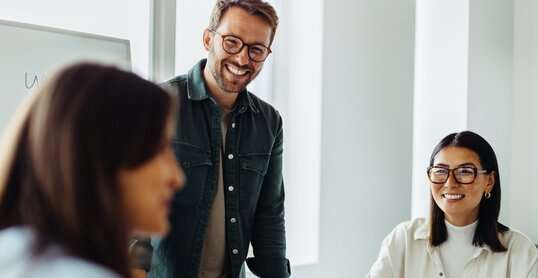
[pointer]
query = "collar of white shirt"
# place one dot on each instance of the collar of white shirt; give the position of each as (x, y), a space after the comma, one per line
(421, 233)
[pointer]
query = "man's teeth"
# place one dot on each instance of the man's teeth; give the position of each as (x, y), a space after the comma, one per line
(235, 70)
(453, 196)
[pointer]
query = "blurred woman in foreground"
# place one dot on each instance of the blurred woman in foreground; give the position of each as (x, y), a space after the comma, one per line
(85, 164)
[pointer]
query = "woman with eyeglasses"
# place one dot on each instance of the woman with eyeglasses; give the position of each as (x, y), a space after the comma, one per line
(462, 236)
(86, 164)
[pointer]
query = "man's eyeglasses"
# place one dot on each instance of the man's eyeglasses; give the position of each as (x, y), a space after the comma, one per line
(233, 45)
(463, 174)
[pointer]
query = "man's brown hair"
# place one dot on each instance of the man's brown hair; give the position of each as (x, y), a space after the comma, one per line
(258, 8)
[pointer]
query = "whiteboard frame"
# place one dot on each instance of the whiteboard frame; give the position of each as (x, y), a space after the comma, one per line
(68, 32)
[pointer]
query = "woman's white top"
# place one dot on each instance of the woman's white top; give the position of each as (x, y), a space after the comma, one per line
(405, 252)
(457, 249)
(17, 260)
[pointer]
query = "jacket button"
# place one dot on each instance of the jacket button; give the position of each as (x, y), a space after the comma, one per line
(233, 220)
(230, 188)
(233, 125)
(230, 156)
(235, 251)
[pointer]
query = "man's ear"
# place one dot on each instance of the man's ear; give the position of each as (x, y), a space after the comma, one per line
(207, 39)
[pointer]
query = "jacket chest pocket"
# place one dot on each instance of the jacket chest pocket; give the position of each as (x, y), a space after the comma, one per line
(253, 170)
(196, 163)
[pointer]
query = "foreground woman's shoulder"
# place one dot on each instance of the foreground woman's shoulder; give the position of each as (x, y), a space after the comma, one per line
(17, 259)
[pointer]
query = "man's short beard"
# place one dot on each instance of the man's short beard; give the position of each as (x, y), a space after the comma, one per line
(220, 78)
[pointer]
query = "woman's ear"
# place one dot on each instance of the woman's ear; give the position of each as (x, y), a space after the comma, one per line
(490, 182)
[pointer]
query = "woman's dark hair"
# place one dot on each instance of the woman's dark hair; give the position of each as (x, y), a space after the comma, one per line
(488, 214)
(61, 180)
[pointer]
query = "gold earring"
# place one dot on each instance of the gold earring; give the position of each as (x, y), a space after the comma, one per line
(487, 195)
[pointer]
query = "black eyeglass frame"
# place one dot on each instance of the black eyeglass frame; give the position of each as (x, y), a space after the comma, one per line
(243, 44)
(451, 171)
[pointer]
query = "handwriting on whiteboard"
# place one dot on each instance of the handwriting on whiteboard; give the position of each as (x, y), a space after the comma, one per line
(33, 81)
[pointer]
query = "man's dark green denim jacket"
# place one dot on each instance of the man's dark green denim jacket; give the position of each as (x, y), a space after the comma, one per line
(254, 189)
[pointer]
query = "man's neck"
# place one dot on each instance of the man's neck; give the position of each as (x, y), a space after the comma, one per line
(224, 99)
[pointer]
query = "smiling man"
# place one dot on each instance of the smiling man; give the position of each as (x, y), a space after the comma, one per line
(229, 143)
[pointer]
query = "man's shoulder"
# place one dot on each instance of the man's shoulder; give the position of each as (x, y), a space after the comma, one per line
(262, 105)
(175, 82)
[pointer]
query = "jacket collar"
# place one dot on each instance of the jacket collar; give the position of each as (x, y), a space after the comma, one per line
(197, 90)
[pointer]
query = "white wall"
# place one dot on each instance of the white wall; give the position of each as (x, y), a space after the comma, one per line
(440, 100)
(297, 93)
(367, 99)
(490, 89)
(192, 18)
(521, 199)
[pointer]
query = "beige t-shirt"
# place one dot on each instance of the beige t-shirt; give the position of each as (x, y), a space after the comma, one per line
(214, 260)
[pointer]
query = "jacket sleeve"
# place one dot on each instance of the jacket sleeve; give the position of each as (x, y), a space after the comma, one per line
(268, 233)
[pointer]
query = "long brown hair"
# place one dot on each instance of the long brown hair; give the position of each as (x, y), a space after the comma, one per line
(61, 179)
(488, 214)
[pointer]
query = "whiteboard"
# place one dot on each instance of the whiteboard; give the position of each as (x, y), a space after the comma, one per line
(29, 54)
